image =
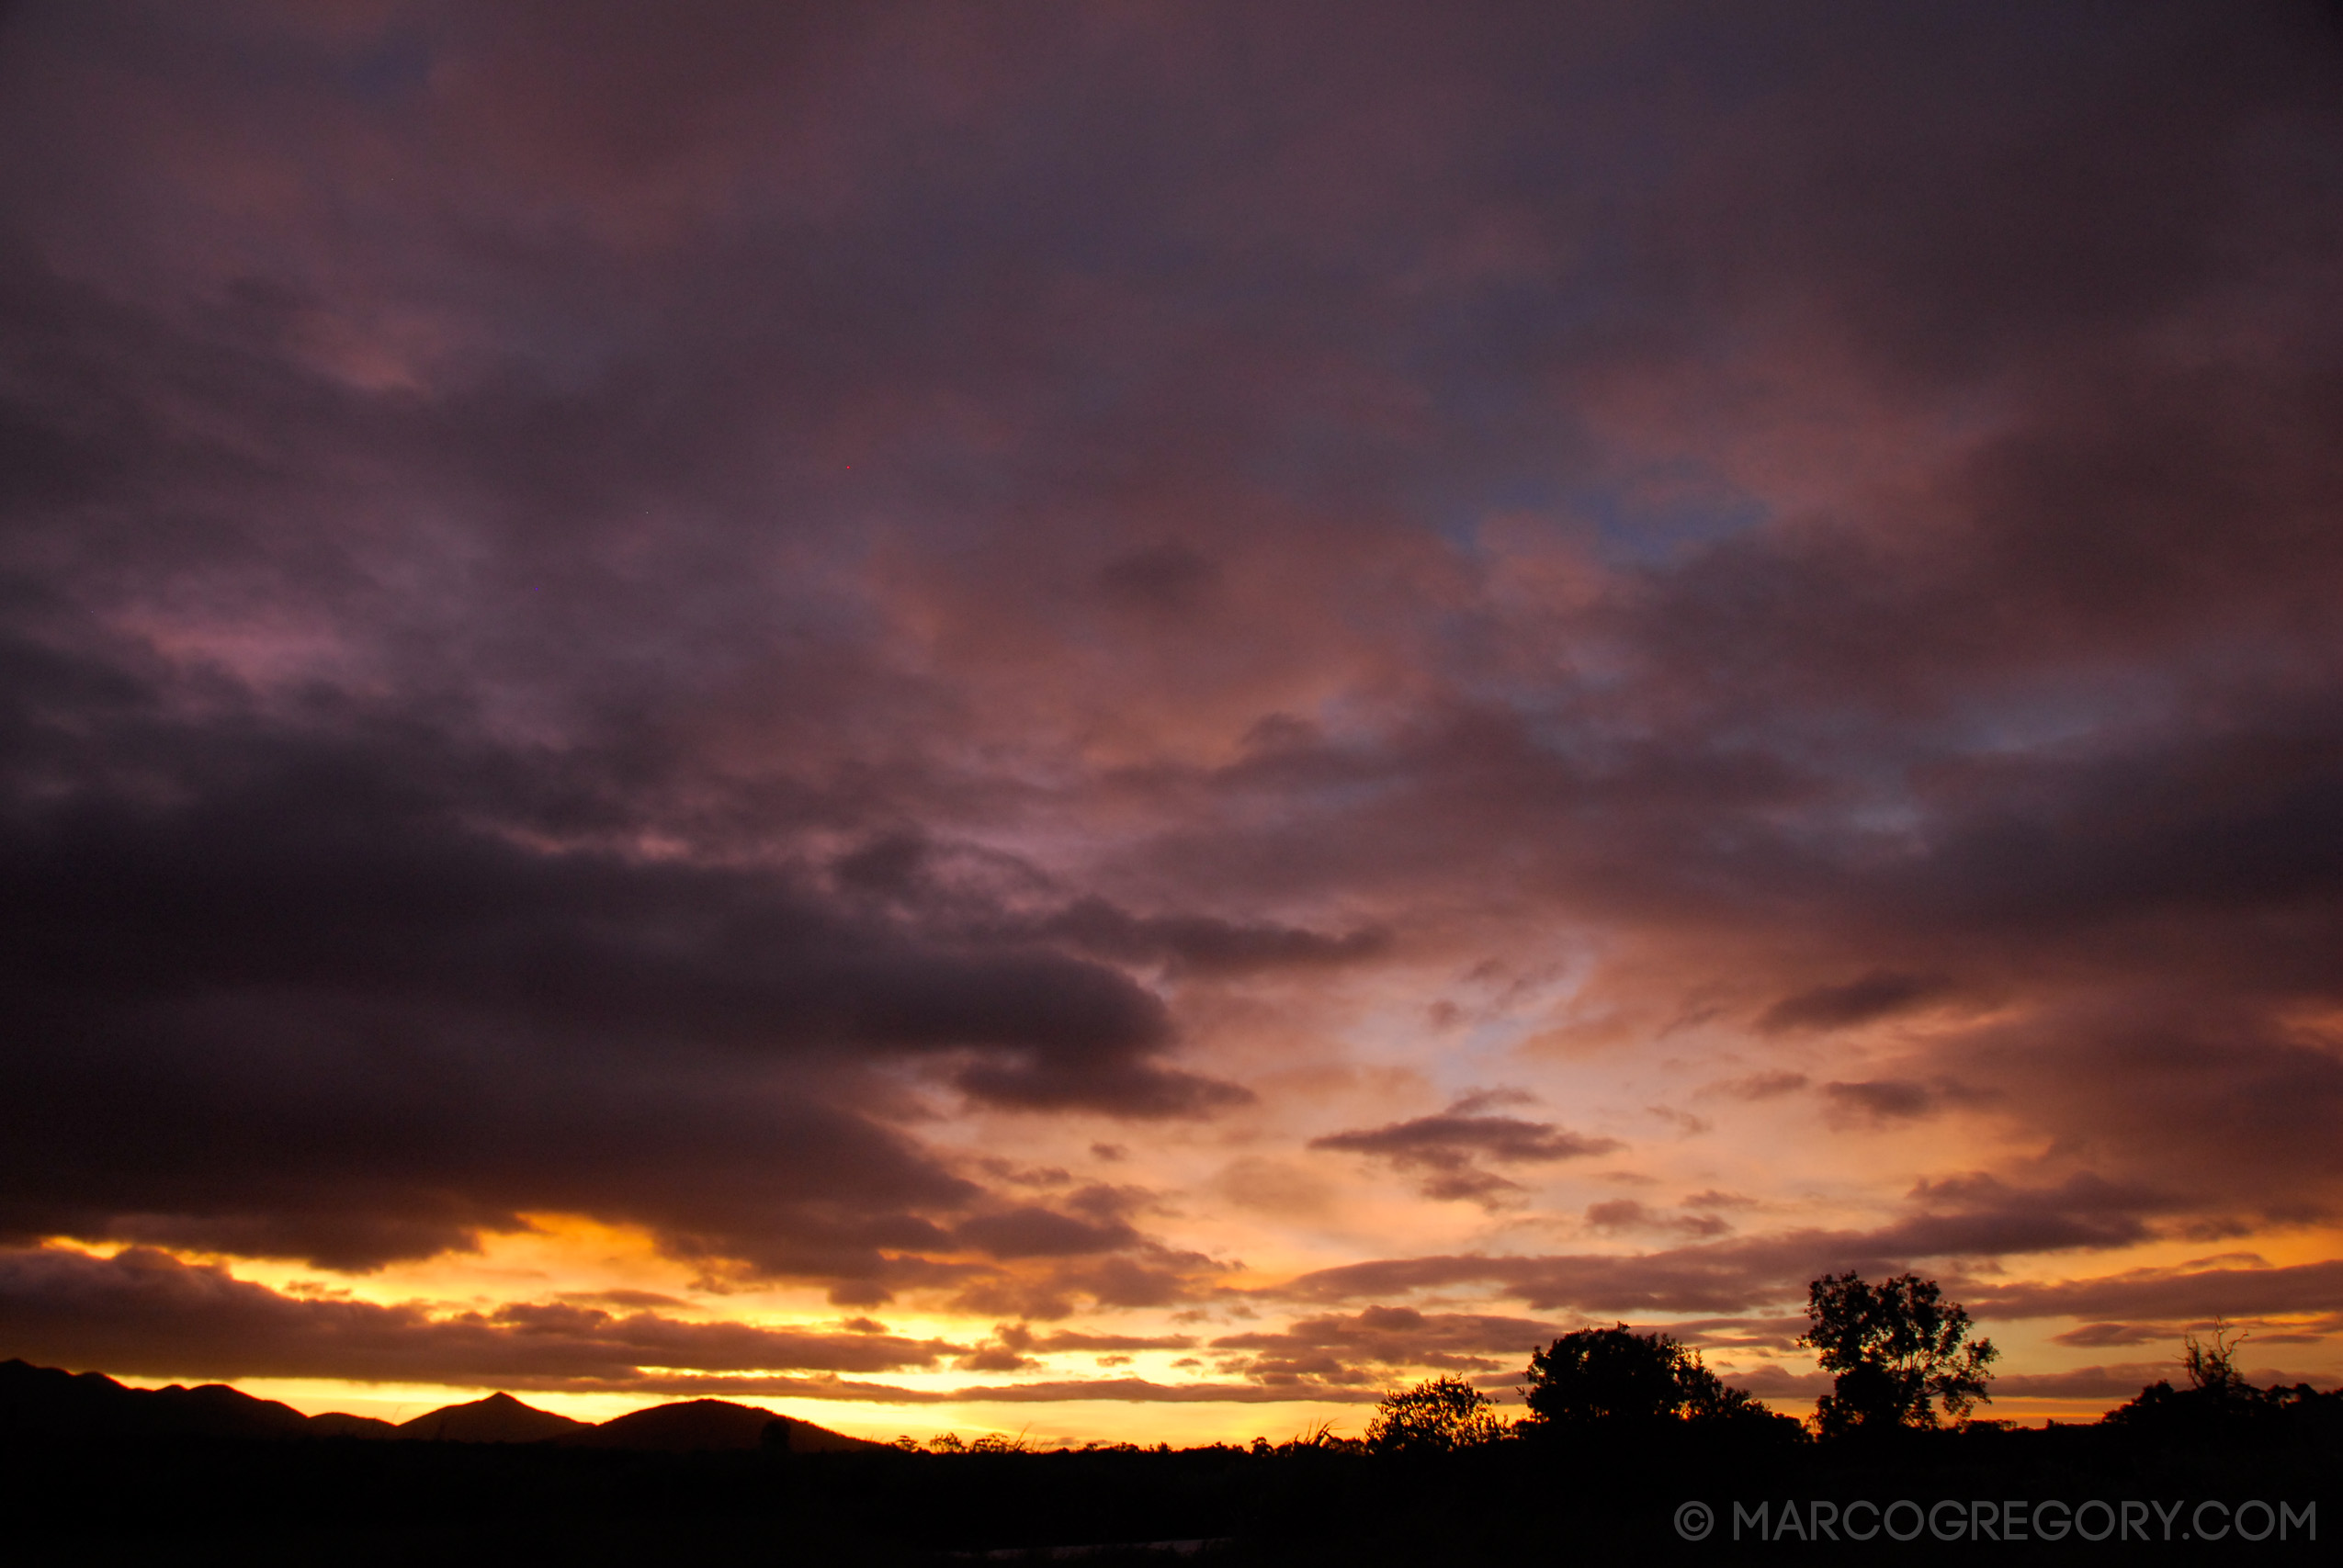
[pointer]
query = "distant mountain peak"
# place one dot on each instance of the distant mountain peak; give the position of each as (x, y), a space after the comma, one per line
(498, 1418)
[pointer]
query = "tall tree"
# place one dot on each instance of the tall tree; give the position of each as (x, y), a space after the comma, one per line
(1899, 1350)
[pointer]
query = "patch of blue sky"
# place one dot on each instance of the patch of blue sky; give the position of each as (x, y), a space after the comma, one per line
(1889, 820)
(1475, 1058)
(1650, 516)
(1663, 512)
(396, 69)
(1838, 803)
(1561, 731)
(1478, 1046)
(1353, 783)
(1487, 1055)
(2056, 718)
(1459, 511)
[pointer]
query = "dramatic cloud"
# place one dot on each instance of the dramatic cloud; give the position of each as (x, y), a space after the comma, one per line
(966, 658)
(1959, 1218)
(142, 1312)
(1444, 1149)
(2186, 1293)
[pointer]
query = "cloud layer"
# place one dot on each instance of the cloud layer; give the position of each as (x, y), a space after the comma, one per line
(719, 623)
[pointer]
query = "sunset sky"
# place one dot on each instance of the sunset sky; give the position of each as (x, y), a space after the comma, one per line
(1129, 720)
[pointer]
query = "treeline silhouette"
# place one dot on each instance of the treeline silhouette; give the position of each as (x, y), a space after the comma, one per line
(1622, 1431)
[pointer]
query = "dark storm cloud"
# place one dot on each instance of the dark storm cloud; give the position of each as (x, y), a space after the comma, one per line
(142, 1312)
(301, 1004)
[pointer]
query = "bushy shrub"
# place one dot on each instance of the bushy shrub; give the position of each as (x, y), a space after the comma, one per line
(1438, 1416)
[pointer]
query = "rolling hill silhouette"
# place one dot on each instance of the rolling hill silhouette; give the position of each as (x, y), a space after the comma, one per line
(699, 1425)
(46, 1402)
(498, 1418)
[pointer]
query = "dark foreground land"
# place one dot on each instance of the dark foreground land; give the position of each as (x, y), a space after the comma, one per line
(178, 1496)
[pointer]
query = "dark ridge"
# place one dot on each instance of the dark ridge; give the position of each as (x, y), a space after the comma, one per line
(335, 1424)
(45, 1401)
(711, 1425)
(498, 1418)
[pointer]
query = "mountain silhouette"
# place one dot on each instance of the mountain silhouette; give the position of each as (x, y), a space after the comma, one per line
(44, 1401)
(48, 1402)
(688, 1427)
(498, 1418)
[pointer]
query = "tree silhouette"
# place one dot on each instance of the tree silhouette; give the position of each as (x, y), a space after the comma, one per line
(2219, 1406)
(2212, 1369)
(1438, 1416)
(1899, 1351)
(1613, 1379)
